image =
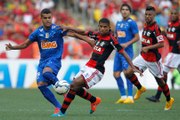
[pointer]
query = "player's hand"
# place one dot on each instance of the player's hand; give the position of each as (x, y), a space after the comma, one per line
(145, 49)
(9, 47)
(178, 42)
(138, 71)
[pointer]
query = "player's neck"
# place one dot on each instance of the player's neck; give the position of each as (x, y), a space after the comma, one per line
(125, 18)
(47, 28)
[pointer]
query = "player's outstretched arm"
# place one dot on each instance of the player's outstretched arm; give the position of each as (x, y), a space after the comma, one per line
(82, 32)
(130, 63)
(23, 45)
(82, 37)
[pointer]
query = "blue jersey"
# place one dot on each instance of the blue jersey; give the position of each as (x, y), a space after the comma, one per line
(125, 31)
(50, 42)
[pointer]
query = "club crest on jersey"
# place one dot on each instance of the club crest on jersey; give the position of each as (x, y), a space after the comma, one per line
(47, 35)
(147, 33)
(48, 45)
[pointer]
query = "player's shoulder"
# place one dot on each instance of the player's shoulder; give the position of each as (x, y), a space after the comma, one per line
(131, 21)
(54, 26)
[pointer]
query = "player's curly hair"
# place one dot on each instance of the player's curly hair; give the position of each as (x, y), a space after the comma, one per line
(150, 8)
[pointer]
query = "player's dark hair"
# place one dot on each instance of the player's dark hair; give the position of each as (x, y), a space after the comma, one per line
(45, 11)
(150, 8)
(104, 20)
(125, 4)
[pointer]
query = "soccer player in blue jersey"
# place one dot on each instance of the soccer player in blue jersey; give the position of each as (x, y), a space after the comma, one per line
(127, 33)
(50, 42)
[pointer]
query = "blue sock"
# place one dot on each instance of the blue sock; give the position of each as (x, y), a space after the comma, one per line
(50, 76)
(49, 96)
(120, 84)
(129, 87)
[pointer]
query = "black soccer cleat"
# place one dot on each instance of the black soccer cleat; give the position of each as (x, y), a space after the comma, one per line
(153, 99)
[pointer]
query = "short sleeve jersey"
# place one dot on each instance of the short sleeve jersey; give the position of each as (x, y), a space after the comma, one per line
(173, 35)
(151, 35)
(125, 31)
(104, 46)
(50, 42)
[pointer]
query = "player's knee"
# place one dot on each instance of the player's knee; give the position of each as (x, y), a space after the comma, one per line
(74, 86)
(116, 74)
(42, 84)
(128, 73)
(160, 82)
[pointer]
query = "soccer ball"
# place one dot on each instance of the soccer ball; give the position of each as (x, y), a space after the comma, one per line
(61, 87)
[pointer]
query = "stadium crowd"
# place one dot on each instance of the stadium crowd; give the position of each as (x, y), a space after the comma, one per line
(18, 18)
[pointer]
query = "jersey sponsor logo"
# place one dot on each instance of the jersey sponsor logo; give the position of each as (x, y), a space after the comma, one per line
(98, 49)
(147, 41)
(121, 34)
(48, 45)
(170, 35)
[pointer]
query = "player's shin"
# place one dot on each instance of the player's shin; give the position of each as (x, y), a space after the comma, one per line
(67, 100)
(49, 96)
(134, 80)
(84, 94)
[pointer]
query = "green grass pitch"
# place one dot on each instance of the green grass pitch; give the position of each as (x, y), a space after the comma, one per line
(29, 104)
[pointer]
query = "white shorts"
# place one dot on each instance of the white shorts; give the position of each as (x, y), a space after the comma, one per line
(172, 60)
(155, 68)
(91, 76)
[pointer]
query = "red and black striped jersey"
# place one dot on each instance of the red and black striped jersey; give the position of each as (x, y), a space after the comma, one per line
(104, 45)
(151, 35)
(173, 35)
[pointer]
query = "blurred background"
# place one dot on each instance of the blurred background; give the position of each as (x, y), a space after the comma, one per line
(18, 18)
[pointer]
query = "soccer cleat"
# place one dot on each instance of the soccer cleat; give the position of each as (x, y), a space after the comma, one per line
(94, 105)
(128, 101)
(153, 99)
(60, 114)
(169, 104)
(121, 100)
(56, 111)
(139, 92)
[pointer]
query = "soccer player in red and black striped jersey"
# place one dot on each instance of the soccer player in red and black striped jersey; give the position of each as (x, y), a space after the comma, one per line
(173, 58)
(103, 44)
(150, 58)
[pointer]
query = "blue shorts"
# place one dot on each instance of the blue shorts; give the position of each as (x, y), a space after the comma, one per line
(54, 64)
(120, 62)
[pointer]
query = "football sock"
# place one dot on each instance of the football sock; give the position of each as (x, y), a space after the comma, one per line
(84, 94)
(67, 100)
(120, 84)
(166, 92)
(159, 90)
(129, 87)
(49, 96)
(158, 93)
(50, 76)
(135, 81)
